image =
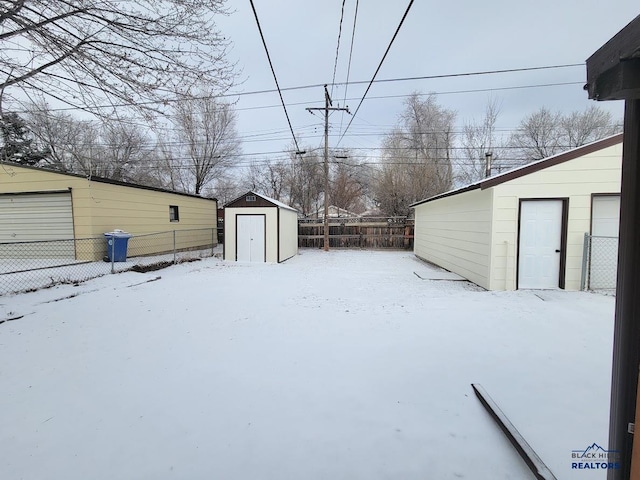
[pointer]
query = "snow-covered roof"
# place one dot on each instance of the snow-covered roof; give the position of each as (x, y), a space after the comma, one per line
(529, 168)
(273, 200)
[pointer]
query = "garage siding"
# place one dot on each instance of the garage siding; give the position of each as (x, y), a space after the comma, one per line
(455, 233)
(577, 180)
(100, 207)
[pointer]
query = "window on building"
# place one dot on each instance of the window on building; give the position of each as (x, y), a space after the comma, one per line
(173, 213)
(251, 198)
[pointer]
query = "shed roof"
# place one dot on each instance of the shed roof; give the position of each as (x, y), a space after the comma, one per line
(274, 202)
(529, 168)
(105, 180)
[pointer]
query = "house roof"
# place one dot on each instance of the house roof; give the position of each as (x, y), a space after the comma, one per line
(320, 211)
(529, 168)
(275, 202)
(106, 180)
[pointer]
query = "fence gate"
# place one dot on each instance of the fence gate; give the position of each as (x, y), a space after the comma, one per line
(599, 263)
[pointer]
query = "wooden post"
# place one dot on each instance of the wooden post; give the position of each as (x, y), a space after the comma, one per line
(626, 340)
(613, 73)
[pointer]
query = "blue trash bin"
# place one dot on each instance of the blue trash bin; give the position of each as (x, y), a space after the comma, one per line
(117, 242)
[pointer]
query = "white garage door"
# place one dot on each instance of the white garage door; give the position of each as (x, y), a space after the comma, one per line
(540, 242)
(36, 217)
(250, 238)
(605, 222)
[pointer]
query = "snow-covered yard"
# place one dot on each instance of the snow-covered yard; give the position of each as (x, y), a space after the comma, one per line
(340, 365)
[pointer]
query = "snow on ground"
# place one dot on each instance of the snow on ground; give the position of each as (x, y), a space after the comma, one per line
(339, 365)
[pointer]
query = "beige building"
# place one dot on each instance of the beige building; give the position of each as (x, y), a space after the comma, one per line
(38, 204)
(259, 229)
(525, 228)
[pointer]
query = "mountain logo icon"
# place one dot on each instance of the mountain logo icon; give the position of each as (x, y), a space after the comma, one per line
(591, 449)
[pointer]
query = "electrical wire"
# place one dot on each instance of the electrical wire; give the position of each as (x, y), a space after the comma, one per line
(378, 69)
(335, 64)
(346, 87)
(255, 14)
(316, 85)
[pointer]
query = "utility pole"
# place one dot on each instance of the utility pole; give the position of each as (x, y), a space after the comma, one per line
(328, 107)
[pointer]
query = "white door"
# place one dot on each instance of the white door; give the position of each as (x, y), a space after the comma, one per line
(540, 243)
(605, 223)
(250, 240)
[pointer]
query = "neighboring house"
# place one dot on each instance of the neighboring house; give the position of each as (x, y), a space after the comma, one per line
(259, 229)
(525, 228)
(335, 212)
(38, 204)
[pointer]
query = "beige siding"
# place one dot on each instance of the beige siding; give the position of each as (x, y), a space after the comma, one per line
(454, 232)
(271, 227)
(577, 180)
(288, 234)
(101, 207)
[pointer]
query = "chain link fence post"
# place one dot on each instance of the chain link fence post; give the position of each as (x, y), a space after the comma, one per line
(585, 256)
(113, 253)
(174, 247)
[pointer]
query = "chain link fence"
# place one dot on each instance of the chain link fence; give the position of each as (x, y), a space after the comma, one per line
(29, 266)
(600, 263)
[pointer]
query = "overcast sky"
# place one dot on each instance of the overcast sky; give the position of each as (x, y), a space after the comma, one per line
(436, 39)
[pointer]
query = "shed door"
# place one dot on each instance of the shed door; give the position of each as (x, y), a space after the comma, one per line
(250, 238)
(605, 223)
(540, 244)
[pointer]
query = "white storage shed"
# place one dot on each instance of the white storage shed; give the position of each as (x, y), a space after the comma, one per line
(259, 229)
(525, 228)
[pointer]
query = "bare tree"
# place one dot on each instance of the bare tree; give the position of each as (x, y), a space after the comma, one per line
(62, 134)
(478, 139)
(306, 182)
(83, 52)
(348, 183)
(125, 148)
(119, 149)
(207, 139)
(416, 156)
(546, 133)
(271, 178)
(226, 188)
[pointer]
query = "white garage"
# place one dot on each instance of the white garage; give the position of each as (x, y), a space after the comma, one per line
(525, 228)
(259, 229)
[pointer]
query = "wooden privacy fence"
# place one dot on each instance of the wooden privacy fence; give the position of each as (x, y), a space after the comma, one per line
(357, 232)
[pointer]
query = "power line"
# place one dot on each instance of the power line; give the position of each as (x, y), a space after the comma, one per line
(316, 85)
(255, 14)
(353, 34)
(379, 66)
(335, 64)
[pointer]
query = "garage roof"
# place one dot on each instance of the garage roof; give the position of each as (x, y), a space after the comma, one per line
(106, 180)
(529, 168)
